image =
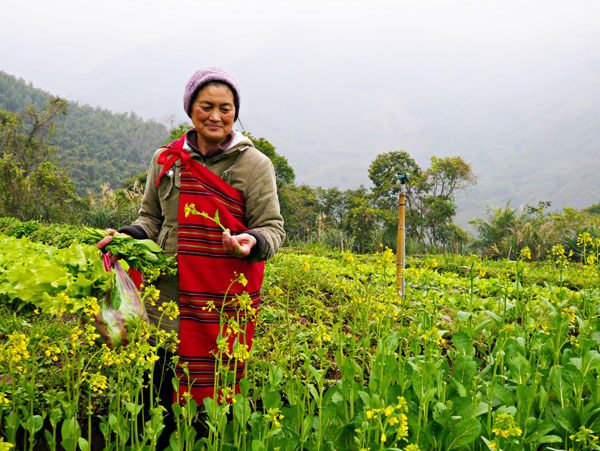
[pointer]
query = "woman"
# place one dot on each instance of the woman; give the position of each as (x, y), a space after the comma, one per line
(218, 172)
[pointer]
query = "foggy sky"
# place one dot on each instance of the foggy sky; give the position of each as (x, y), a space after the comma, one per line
(52, 42)
(331, 84)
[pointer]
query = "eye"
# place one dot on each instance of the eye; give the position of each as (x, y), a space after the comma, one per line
(225, 110)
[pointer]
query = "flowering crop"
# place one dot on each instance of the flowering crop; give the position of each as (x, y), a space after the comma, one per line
(478, 355)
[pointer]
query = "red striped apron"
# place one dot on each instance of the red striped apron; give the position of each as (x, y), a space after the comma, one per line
(205, 273)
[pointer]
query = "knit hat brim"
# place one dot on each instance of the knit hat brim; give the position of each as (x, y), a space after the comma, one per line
(202, 77)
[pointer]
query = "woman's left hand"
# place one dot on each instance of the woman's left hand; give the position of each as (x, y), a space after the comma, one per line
(239, 245)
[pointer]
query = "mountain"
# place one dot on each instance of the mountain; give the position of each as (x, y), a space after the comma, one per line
(528, 124)
(96, 146)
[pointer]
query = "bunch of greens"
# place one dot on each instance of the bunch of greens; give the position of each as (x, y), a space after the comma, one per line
(55, 280)
(142, 255)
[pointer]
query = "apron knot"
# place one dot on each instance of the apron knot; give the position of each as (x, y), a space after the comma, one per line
(170, 156)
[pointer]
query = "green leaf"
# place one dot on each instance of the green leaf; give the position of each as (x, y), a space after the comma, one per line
(520, 369)
(463, 344)
(313, 391)
(83, 444)
(463, 407)
(525, 394)
(464, 370)
(568, 419)
(34, 424)
(463, 433)
(481, 325)
(244, 386)
(494, 316)
(463, 316)
(560, 387)
(151, 245)
(549, 439)
(481, 409)
(70, 432)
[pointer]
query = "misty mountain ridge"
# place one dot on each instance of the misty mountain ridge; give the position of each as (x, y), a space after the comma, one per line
(531, 131)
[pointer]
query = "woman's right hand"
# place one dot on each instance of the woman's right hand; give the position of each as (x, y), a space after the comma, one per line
(107, 239)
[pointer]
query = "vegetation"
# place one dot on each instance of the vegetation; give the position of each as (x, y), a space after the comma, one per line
(478, 355)
(33, 185)
(93, 146)
(496, 351)
(507, 231)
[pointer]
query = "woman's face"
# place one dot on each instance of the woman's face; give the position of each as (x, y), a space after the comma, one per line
(213, 114)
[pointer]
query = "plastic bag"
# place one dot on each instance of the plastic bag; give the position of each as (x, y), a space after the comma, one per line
(121, 310)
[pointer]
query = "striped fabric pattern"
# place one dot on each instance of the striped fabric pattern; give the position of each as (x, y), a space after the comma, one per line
(205, 273)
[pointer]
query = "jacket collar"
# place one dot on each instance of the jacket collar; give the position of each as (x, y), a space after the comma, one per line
(235, 142)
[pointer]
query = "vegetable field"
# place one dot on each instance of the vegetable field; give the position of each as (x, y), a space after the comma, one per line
(499, 355)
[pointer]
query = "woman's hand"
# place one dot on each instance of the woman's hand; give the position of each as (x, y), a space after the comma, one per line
(107, 239)
(239, 245)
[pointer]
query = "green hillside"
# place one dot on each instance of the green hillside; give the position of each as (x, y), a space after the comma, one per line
(96, 146)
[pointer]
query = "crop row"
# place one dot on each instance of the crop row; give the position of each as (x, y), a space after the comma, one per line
(477, 355)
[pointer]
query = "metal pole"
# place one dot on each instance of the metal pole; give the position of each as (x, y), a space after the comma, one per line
(400, 255)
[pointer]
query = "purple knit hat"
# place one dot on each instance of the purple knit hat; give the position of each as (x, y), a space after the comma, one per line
(203, 76)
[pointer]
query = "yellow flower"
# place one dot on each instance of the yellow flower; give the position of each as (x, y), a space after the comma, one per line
(506, 426)
(190, 209)
(4, 399)
(403, 429)
(348, 257)
(98, 382)
(171, 309)
(151, 294)
(241, 352)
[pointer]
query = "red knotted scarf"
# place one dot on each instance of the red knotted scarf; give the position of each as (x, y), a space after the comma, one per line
(206, 272)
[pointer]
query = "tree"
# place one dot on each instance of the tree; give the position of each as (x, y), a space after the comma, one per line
(116, 146)
(363, 222)
(283, 171)
(594, 209)
(436, 206)
(446, 175)
(429, 194)
(507, 231)
(177, 132)
(24, 137)
(299, 208)
(384, 171)
(331, 204)
(32, 186)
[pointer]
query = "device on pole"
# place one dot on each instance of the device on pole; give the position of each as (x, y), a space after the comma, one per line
(400, 265)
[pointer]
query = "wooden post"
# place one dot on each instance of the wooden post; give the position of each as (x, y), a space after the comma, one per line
(400, 265)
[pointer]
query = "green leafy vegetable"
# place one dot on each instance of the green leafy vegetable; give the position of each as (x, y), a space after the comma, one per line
(142, 255)
(52, 279)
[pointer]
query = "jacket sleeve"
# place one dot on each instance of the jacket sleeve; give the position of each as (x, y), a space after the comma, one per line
(150, 217)
(263, 216)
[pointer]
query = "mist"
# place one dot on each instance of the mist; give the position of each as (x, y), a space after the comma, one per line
(510, 86)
